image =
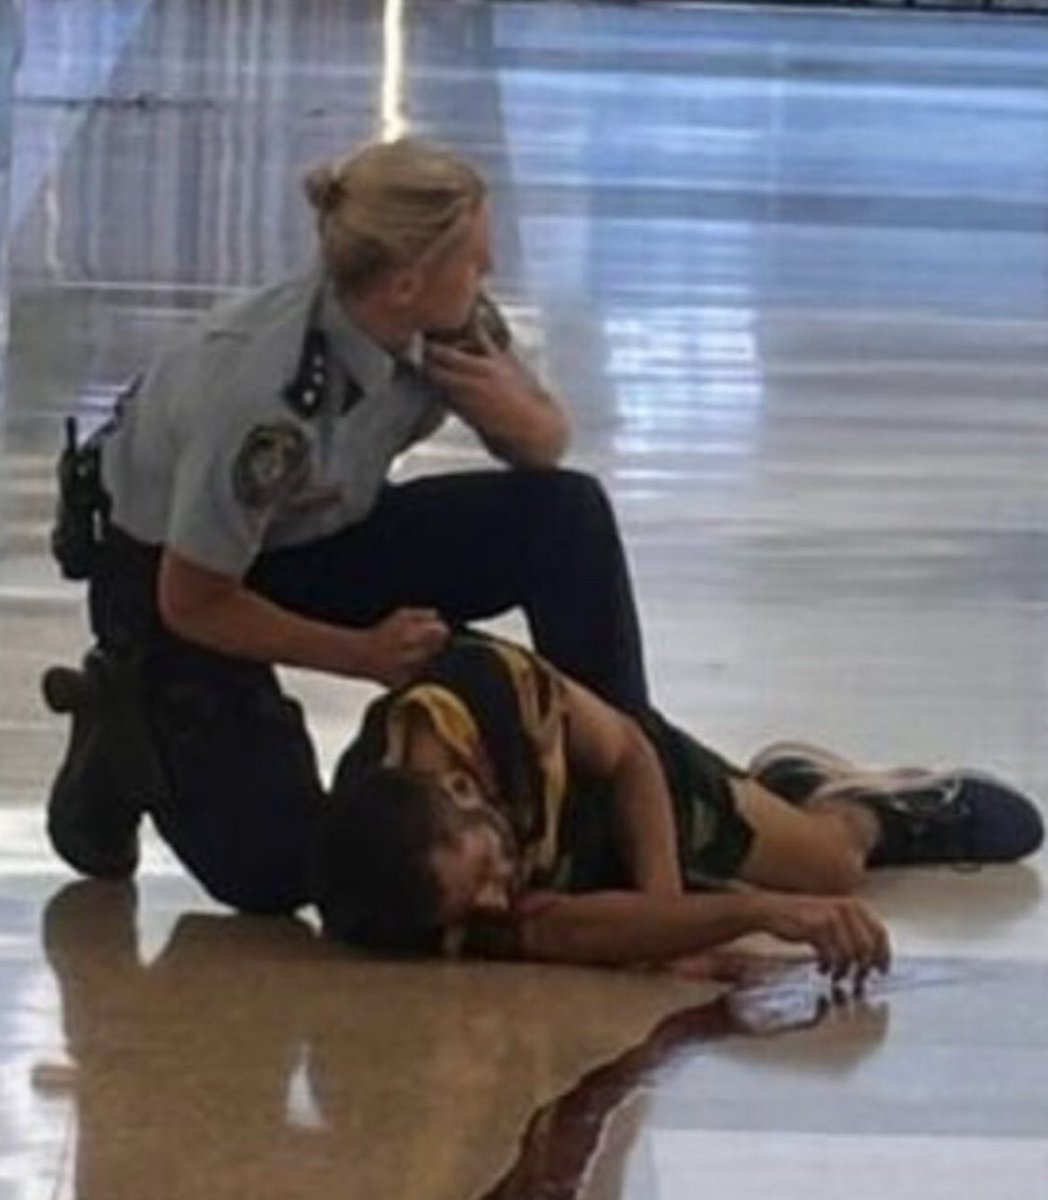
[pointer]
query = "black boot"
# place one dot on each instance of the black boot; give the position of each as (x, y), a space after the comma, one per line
(109, 771)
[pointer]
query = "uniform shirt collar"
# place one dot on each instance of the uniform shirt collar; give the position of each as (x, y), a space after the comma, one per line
(363, 359)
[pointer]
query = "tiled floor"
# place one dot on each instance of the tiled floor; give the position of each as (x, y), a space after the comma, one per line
(790, 272)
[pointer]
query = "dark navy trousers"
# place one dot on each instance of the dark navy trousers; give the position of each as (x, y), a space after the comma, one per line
(243, 784)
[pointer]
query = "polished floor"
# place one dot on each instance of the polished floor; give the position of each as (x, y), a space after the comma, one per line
(790, 272)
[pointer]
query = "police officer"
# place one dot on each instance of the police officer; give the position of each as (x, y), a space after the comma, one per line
(245, 520)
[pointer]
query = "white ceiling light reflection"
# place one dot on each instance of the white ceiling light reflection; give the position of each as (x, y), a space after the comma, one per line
(393, 120)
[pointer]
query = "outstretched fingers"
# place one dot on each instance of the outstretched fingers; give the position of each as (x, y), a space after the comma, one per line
(847, 937)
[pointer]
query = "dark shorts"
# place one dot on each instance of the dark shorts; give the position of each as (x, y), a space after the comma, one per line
(713, 838)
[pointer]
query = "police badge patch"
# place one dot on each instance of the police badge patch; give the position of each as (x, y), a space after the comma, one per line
(272, 462)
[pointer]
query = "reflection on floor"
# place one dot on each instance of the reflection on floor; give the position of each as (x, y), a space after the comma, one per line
(831, 1103)
(790, 272)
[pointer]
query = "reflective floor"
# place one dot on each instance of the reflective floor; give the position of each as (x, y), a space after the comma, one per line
(790, 273)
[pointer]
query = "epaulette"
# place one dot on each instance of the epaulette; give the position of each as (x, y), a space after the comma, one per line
(304, 394)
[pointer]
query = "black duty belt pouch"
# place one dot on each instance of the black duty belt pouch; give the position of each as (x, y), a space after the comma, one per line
(82, 510)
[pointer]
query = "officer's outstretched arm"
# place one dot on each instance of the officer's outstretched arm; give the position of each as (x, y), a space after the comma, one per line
(217, 611)
(493, 392)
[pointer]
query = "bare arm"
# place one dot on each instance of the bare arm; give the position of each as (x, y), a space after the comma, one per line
(615, 928)
(518, 420)
(609, 745)
(217, 611)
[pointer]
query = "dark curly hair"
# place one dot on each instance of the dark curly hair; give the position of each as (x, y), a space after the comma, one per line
(372, 879)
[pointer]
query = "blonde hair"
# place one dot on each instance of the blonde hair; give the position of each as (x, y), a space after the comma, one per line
(392, 204)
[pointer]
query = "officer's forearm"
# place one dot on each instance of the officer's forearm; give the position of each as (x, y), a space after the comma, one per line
(243, 624)
(529, 429)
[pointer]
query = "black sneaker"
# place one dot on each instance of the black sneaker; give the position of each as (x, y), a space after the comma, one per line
(94, 810)
(954, 817)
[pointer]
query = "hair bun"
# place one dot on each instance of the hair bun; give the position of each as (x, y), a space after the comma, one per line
(324, 187)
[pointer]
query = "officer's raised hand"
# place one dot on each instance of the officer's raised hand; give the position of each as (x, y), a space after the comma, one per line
(494, 393)
(397, 647)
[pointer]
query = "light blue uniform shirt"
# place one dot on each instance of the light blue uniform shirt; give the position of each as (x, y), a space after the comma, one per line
(209, 458)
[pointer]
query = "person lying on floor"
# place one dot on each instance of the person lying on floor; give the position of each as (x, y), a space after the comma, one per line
(494, 806)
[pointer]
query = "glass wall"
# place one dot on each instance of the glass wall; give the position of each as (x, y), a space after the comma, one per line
(8, 55)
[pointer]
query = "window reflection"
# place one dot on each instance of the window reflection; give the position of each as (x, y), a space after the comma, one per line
(679, 369)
